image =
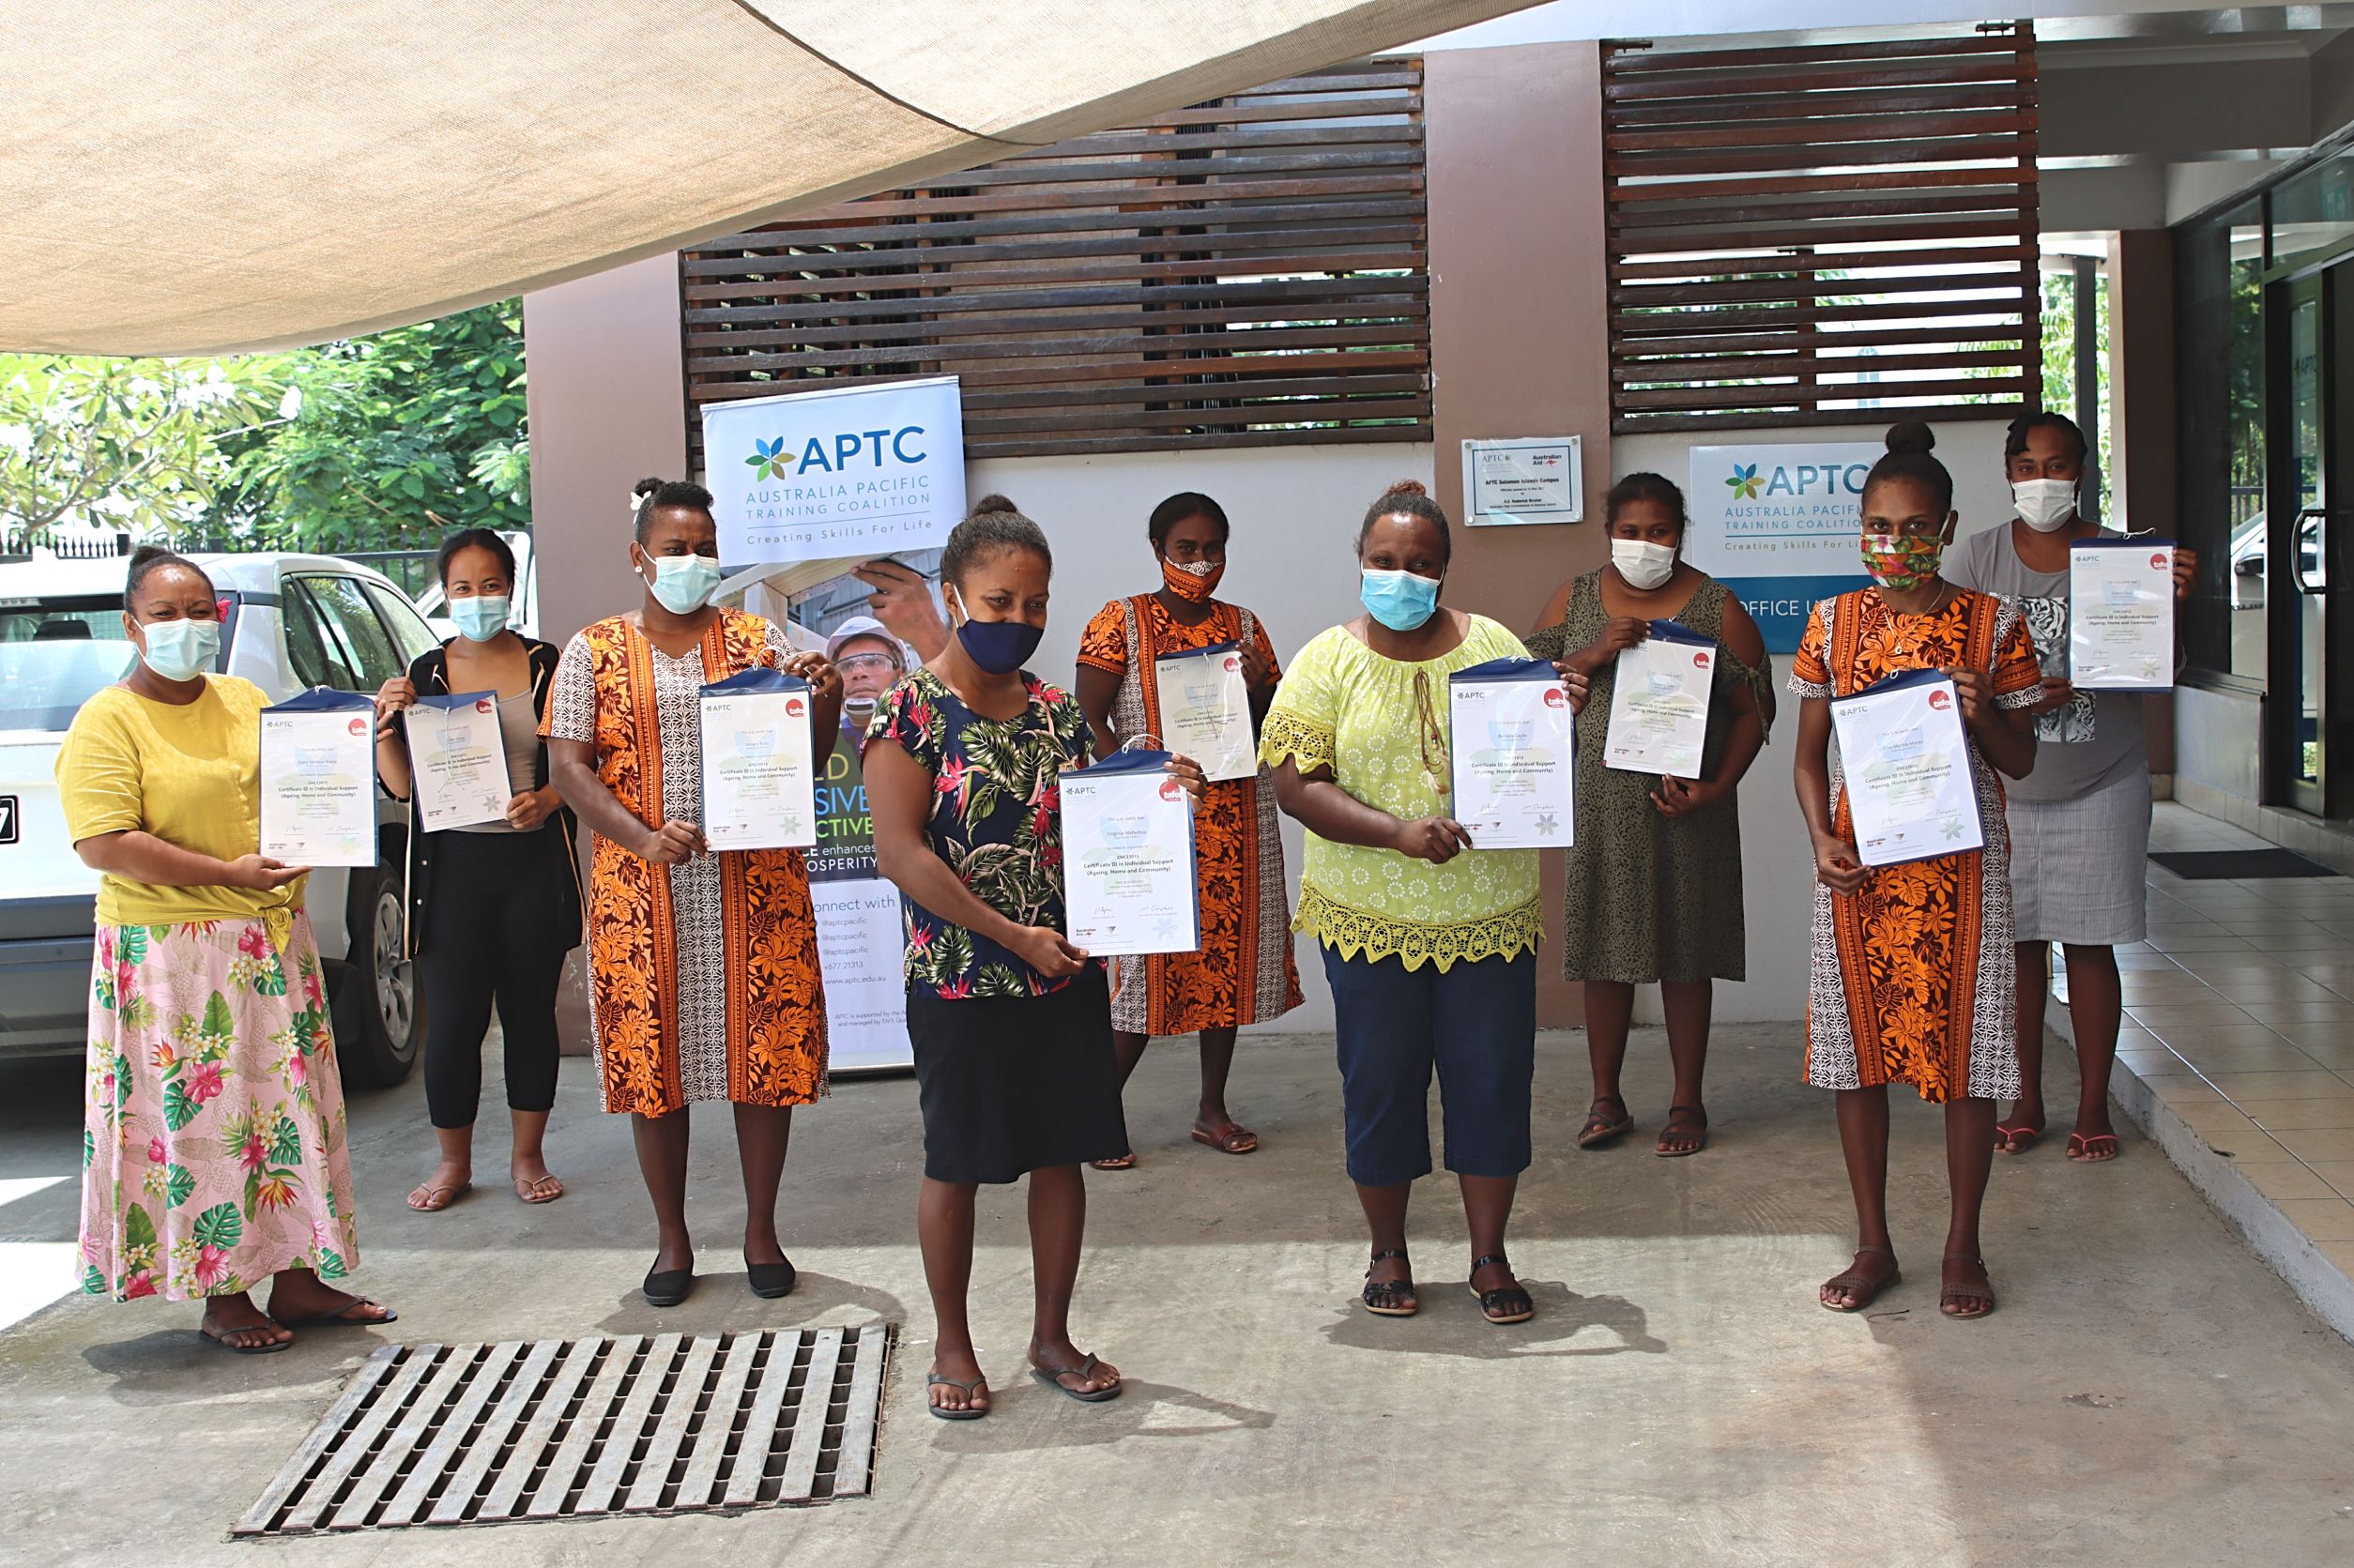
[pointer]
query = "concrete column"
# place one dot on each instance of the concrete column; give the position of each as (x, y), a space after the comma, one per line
(1519, 321)
(607, 387)
(607, 378)
(2142, 435)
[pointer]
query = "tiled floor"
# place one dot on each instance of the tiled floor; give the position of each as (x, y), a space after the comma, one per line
(2239, 1020)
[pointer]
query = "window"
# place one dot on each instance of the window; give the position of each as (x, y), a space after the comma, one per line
(307, 648)
(1251, 271)
(360, 652)
(56, 654)
(2219, 284)
(410, 634)
(1822, 234)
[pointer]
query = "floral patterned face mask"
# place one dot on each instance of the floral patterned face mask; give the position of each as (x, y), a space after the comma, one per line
(1901, 562)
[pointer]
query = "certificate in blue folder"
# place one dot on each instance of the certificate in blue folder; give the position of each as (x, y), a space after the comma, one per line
(1904, 761)
(1128, 858)
(759, 786)
(1513, 742)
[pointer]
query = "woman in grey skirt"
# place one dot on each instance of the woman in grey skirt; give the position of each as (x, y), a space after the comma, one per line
(2080, 822)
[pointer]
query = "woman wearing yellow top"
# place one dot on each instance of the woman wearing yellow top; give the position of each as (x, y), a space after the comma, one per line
(1430, 942)
(212, 1145)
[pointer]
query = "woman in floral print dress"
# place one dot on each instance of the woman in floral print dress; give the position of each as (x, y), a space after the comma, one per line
(213, 1149)
(1009, 1023)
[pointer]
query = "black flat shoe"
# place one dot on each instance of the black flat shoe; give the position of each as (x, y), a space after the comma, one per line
(667, 1287)
(772, 1280)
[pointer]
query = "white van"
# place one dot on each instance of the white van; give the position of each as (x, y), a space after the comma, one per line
(288, 622)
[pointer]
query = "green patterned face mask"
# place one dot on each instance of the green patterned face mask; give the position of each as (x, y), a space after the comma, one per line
(1900, 562)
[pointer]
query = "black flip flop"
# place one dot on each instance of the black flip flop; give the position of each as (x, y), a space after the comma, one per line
(270, 1349)
(1052, 1377)
(668, 1287)
(771, 1280)
(342, 1316)
(968, 1412)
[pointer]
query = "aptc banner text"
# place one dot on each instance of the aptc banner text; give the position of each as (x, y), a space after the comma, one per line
(847, 472)
(1779, 525)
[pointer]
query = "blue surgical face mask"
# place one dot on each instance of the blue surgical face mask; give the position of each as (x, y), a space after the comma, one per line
(1400, 601)
(684, 584)
(481, 617)
(1000, 646)
(181, 649)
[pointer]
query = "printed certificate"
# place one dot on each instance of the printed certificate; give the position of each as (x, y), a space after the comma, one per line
(2120, 614)
(1904, 761)
(1659, 702)
(760, 788)
(1206, 711)
(1513, 743)
(319, 780)
(458, 760)
(1128, 858)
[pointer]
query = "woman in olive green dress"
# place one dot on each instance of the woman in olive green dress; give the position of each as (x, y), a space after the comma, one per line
(1654, 876)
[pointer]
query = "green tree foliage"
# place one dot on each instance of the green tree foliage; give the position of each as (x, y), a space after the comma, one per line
(376, 443)
(134, 444)
(389, 441)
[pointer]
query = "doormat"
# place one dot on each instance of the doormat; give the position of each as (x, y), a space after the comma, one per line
(585, 1428)
(2237, 865)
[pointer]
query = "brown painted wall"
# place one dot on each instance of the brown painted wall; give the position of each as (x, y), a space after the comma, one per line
(607, 386)
(604, 395)
(1520, 344)
(2141, 395)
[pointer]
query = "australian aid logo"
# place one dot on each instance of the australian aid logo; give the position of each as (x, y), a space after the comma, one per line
(844, 473)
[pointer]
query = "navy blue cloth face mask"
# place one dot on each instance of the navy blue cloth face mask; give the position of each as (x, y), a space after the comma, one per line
(1000, 646)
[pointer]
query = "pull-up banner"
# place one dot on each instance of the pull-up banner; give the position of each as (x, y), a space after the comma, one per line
(1779, 525)
(853, 471)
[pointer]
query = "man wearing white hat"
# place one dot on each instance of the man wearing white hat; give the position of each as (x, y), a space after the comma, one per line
(871, 661)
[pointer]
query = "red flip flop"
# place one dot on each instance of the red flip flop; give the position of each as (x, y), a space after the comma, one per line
(2005, 1136)
(2080, 1148)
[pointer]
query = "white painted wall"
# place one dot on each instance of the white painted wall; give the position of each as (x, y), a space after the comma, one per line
(1777, 866)
(1295, 511)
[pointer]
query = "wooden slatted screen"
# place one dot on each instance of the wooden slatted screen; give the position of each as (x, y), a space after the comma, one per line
(1800, 235)
(1248, 272)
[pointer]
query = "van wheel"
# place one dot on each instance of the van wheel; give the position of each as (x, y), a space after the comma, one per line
(379, 1012)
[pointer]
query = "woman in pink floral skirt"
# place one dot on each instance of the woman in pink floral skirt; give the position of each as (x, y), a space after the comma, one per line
(213, 1150)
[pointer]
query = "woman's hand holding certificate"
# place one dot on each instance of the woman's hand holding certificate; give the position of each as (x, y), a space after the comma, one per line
(1204, 705)
(1660, 695)
(1127, 856)
(1512, 742)
(319, 780)
(1904, 759)
(2120, 614)
(760, 786)
(458, 759)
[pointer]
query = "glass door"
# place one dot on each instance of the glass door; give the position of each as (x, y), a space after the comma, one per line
(2311, 491)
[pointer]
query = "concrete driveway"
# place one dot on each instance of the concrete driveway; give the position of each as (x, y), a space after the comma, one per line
(2148, 1391)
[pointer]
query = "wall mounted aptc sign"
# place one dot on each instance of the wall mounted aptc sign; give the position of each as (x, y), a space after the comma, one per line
(1527, 479)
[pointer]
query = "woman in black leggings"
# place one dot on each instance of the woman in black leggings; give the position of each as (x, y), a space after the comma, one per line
(493, 906)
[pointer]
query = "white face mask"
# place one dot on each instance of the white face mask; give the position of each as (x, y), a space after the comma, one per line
(2044, 504)
(1642, 564)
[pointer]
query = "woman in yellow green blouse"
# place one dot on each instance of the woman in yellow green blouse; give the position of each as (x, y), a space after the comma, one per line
(1429, 941)
(212, 1146)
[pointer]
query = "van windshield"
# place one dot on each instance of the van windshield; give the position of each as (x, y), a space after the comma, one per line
(56, 654)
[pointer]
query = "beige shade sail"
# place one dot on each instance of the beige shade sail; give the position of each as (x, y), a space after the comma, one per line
(201, 176)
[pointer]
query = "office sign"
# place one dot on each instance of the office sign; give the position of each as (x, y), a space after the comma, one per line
(1779, 525)
(851, 471)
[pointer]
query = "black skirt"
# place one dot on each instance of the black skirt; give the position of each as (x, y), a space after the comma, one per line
(1016, 1083)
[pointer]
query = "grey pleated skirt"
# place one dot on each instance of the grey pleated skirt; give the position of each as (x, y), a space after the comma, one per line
(2077, 872)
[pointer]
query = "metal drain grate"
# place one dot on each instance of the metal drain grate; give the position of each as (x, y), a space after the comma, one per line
(567, 1429)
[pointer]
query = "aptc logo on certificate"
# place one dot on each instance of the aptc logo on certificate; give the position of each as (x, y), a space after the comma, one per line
(319, 780)
(1513, 742)
(1905, 762)
(759, 786)
(2120, 614)
(1128, 858)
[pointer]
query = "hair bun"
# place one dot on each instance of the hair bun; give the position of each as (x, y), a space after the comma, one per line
(645, 486)
(1407, 487)
(1911, 436)
(146, 553)
(993, 502)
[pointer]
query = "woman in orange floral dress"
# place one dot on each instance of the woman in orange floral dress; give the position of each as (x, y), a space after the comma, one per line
(703, 965)
(1243, 972)
(1914, 973)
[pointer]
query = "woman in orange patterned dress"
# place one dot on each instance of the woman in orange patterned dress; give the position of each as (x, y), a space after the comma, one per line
(703, 964)
(1913, 970)
(1243, 972)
